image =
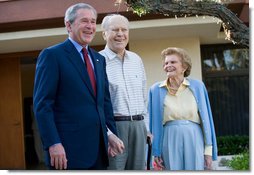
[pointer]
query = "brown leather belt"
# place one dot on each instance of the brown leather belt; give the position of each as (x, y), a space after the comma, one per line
(129, 118)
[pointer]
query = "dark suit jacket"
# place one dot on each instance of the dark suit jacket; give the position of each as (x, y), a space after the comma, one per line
(65, 107)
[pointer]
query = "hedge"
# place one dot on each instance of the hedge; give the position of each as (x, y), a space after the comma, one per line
(232, 145)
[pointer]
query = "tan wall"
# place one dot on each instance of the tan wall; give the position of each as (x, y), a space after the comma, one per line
(150, 50)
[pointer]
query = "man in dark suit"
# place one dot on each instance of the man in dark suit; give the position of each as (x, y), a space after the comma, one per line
(73, 110)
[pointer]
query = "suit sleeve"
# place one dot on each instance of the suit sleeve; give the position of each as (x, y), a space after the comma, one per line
(108, 109)
(45, 88)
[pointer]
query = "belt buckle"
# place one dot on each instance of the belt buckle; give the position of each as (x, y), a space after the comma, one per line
(131, 118)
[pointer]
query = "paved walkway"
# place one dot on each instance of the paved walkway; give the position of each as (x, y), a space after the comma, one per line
(218, 165)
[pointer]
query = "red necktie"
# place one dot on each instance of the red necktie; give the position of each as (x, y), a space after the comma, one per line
(89, 69)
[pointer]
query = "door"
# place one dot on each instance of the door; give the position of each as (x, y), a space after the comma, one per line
(11, 118)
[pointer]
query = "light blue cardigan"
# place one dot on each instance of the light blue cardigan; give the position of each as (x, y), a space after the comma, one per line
(155, 107)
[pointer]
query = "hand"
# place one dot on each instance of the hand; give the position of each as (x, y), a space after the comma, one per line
(115, 145)
(57, 156)
(208, 162)
(158, 163)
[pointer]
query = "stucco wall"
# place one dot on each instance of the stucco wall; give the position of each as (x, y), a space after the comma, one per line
(150, 50)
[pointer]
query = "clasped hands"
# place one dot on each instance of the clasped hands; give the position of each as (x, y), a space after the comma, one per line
(58, 158)
(115, 145)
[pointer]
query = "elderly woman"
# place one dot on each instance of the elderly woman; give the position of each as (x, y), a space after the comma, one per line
(181, 118)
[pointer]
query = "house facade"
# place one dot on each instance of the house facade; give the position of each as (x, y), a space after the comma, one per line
(28, 26)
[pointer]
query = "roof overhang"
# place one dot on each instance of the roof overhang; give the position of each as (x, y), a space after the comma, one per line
(30, 15)
(207, 29)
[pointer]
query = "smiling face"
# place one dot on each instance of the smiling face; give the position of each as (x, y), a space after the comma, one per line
(173, 66)
(117, 34)
(83, 29)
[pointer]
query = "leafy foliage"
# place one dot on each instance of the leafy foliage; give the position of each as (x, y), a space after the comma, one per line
(235, 30)
(240, 162)
(232, 145)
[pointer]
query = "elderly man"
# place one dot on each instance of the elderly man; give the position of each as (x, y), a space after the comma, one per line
(127, 86)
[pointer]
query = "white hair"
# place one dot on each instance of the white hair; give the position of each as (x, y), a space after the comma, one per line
(107, 19)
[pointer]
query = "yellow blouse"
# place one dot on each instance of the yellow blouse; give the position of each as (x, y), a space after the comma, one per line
(182, 106)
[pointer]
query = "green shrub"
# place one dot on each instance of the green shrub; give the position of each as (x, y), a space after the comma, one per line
(232, 145)
(240, 162)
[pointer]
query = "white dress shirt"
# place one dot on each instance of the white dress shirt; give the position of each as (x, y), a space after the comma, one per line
(127, 84)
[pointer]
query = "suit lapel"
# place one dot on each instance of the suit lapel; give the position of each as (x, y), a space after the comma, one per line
(77, 62)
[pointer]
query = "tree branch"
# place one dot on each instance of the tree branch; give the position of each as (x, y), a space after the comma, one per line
(234, 28)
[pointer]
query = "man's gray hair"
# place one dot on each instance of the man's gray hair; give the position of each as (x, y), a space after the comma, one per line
(106, 20)
(71, 12)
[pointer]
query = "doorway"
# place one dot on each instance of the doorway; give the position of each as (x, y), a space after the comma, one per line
(34, 155)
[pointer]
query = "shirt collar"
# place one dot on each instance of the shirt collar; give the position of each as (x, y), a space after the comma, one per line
(111, 55)
(77, 45)
(164, 83)
(185, 82)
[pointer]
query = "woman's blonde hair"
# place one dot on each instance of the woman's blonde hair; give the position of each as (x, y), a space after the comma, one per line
(185, 58)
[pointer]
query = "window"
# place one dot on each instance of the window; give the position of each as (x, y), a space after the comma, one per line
(228, 59)
(226, 75)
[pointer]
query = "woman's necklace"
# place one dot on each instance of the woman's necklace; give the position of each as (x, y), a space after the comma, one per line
(173, 90)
